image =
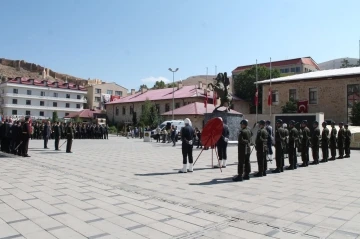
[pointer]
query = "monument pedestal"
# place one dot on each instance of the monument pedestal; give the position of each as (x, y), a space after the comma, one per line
(231, 119)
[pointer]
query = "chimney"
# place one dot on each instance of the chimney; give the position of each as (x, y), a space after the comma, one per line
(44, 74)
(180, 85)
(56, 84)
(200, 85)
(143, 90)
(132, 91)
(31, 81)
(18, 80)
(47, 72)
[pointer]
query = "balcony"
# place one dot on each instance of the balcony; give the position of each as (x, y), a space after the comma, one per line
(38, 107)
(38, 97)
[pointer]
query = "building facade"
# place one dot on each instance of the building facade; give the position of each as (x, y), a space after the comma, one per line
(96, 93)
(330, 91)
(40, 98)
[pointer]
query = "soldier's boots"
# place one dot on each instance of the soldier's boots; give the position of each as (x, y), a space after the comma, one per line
(347, 156)
(315, 162)
(340, 157)
(259, 174)
(246, 177)
(289, 167)
(237, 178)
(276, 171)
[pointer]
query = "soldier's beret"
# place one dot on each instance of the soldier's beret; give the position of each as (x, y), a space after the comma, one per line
(304, 122)
(341, 123)
(244, 122)
(262, 122)
(324, 123)
(291, 122)
(279, 121)
(315, 122)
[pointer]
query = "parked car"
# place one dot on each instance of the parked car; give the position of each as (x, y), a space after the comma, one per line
(177, 123)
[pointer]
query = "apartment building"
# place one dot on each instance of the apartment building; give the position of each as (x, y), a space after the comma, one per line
(40, 98)
(97, 92)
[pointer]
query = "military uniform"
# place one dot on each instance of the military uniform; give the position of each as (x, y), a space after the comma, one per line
(69, 138)
(279, 147)
(333, 141)
(315, 143)
(293, 139)
(341, 141)
(347, 141)
(57, 135)
(261, 149)
(305, 144)
(325, 139)
(243, 153)
(26, 133)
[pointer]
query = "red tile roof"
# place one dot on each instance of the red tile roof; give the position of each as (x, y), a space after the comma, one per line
(86, 113)
(197, 108)
(51, 84)
(303, 60)
(165, 94)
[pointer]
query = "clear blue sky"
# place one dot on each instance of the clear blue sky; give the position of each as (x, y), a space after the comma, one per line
(129, 42)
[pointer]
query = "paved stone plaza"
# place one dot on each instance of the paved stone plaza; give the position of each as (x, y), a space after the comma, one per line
(126, 188)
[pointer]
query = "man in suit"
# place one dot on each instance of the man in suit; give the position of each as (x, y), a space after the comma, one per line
(69, 137)
(46, 134)
(57, 135)
(187, 138)
(222, 144)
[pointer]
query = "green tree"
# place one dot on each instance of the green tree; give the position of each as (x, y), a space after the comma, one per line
(290, 107)
(355, 114)
(77, 120)
(345, 63)
(171, 85)
(55, 117)
(149, 116)
(143, 86)
(245, 88)
(159, 85)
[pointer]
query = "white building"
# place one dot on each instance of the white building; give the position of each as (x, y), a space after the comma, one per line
(40, 98)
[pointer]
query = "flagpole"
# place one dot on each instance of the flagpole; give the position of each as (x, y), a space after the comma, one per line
(206, 88)
(270, 89)
(257, 92)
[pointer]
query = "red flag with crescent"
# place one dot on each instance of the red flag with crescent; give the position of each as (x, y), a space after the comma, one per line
(302, 106)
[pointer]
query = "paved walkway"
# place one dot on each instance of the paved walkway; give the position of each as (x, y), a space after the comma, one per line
(125, 188)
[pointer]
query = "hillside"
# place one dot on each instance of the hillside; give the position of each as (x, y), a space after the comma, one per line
(336, 63)
(21, 68)
(194, 80)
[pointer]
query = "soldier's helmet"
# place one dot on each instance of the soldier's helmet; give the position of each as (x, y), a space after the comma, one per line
(332, 122)
(268, 122)
(304, 122)
(262, 122)
(316, 122)
(346, 125)
(244, 122)
(324, 123)
(279, 121)
(341, 123)
(292, 122)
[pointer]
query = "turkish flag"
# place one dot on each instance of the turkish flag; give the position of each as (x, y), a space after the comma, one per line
(256, 97)
(114, 97)
(302, 106)
(214, 96)
(206, 99)
(269, 97)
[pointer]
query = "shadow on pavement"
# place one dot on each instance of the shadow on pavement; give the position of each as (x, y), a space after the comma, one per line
(156, 174)
(215, 181)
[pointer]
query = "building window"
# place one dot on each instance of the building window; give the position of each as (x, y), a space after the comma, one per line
(306, 69)
(67, 105)
(98, 91)
(66, 114)
(68, 96)
(167, 107)
(124, 110)
(28, 92)
(42, 103)
(109, 92)
(353, 96)
(14, 112)
(97, 99)
(56, 94)
(298, 69)
(292, 94)
(54, 104)
(15, 91)
(41, 113)
(28, 102)
(286, 70)
(117, 111)
(275, 96)
(131, 110)
(27, 112)
(177, 105)
(42, 93)
(14, 101)
(292, 69)
(77, 106)
(313, 95)
(78, 97)
(119, 93)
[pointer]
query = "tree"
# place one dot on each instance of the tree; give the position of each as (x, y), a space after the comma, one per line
(245, 88)
(159, 85)
(149, 116)
(143, 86)
(355, 114)
(77, 120)
(171, 85)
(55, 117)
(290, 107)
(345, 63)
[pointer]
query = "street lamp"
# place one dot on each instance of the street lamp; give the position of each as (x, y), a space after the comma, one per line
(173, 101)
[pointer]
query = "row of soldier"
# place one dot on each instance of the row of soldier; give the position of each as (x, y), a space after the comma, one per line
(292, 139)
(82, 131)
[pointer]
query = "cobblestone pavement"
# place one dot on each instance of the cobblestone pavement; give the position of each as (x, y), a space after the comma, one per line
(126, 188)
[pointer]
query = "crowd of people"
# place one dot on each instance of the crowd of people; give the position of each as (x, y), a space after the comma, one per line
(287, 140)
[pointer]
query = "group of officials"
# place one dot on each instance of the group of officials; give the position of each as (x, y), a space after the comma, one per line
(15, 136)
(284, 138)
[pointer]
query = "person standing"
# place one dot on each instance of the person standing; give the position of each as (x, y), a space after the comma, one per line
(57, 135)
(261, 149)
(305, 144)
(333, 141)
(292, 145)
(243, 152)
(341, 140)
(325, 139)
(286, 149)
(46, 134)
(26, 133)
(173, 133)
(222, 146)
(187, 137)
(198, 136)
(315, 143)
(69, 137)
(347, 141)
(270, 139)
(279, 146)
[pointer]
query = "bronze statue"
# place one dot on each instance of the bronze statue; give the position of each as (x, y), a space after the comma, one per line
(222, 87)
